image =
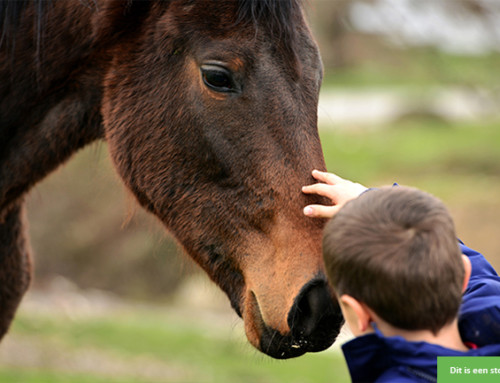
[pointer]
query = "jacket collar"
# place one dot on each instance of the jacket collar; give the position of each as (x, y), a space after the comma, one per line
(369, 356)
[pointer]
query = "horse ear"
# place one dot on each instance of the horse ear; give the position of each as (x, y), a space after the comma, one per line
(117, 19)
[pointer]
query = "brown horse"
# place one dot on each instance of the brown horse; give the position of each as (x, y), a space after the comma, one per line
(209, 109)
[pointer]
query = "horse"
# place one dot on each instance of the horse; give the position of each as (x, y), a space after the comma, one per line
(209, 112)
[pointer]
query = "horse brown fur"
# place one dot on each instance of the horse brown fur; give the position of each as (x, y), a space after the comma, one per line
(16, 272)
(222, 170)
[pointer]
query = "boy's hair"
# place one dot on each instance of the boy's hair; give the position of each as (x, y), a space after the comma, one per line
(395, 250)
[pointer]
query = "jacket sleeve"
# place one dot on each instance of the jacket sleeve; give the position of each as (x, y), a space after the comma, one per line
(404, 374)
(479, 317)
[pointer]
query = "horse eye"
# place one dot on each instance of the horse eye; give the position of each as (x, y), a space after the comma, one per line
(218, 79)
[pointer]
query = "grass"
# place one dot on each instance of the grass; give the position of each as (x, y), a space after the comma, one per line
(418, 68)
(15, 376)
(410, 152)
(187, 353)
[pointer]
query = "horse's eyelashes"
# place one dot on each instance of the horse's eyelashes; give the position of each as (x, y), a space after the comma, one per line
(218, 79)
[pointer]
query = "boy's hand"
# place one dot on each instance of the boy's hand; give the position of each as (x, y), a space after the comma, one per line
(331, 186)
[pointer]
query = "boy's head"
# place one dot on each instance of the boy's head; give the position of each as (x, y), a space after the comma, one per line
(395, 250)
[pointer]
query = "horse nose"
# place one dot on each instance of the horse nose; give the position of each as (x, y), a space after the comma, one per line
(315, 317)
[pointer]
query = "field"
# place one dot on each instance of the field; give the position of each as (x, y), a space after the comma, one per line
(148, 345)
(131, 342)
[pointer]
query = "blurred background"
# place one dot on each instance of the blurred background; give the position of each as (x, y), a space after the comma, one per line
(411, 94)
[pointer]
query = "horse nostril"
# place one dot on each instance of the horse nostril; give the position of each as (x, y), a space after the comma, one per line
(315, 317)
(311, 308)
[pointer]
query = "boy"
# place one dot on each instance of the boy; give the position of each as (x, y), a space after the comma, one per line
(393, 259)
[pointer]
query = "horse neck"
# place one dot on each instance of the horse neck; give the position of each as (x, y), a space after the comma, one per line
(49, 99)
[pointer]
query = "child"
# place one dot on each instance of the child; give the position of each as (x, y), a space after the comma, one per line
(393, 259)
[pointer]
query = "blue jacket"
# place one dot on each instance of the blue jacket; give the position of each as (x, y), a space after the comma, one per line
(479, 318)
(375, 358)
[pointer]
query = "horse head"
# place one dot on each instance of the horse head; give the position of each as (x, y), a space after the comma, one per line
(210, 112)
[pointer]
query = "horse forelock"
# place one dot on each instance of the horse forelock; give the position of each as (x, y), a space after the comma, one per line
(278, 17)
(277, 14)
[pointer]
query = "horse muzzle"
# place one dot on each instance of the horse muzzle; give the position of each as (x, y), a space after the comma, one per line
(313, 323)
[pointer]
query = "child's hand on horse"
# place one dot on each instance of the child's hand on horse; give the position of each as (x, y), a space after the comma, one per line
(337, 189)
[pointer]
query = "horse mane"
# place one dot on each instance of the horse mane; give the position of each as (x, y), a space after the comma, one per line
(10, 12)
(277, 15)
(10, 15)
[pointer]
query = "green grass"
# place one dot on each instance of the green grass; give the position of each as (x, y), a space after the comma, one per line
(436, 154)
(196, 354)
(16, 376)
(418, 68)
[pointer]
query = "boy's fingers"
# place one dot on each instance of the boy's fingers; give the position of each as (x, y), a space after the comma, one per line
(326, 177)
(324, 190)
(320, 211)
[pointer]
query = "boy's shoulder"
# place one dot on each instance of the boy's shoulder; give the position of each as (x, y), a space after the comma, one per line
(479, 318)
(376, 358)
(405, 374)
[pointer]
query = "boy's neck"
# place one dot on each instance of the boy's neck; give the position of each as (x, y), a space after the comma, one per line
(448, 336)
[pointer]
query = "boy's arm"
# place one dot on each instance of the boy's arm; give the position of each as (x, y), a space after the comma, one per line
(337, 189)
(479, 317)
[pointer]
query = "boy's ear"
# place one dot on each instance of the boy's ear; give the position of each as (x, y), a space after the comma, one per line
(468, 271)
(358, 315)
